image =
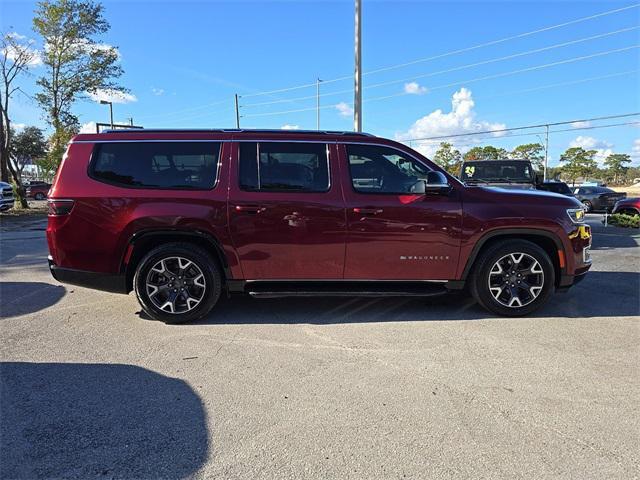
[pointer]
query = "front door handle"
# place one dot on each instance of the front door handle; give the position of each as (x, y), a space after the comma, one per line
(250, 209)
(367, 211)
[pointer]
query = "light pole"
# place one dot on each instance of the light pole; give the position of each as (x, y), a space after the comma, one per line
(318, 103)
(357, 103)
(106, 102)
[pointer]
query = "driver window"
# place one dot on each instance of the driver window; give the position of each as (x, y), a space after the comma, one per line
(383, 170)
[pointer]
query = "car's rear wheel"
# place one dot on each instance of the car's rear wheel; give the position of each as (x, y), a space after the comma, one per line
(513, 278)
(39, 196)
(588, 206)
(177, 283)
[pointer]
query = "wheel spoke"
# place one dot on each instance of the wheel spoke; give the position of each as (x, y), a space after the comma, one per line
(516, 279)
(176, 285)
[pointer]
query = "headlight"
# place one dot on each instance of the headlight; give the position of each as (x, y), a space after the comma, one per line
(576, 214)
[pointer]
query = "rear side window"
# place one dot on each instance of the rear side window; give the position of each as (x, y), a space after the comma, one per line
(281, 166)
(164, 165)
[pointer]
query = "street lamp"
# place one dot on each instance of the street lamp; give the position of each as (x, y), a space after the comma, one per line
(106, 102)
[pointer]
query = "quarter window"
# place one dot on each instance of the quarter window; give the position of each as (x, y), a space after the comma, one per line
(276, 166)
(163, 165)
(384, 170)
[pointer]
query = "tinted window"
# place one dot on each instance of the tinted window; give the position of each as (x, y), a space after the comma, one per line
(495, 171)
(558, 187)
(281, 166)
(604, 190)
(383, 170)
(169, 165)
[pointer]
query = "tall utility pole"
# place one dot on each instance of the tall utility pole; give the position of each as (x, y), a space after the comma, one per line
(546, 154)
(237, 112)
(318, 103)
(106, 102)
(357, 103)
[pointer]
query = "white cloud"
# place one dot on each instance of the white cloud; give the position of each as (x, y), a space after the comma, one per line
(635, 150)
(290, 127)
(461, 119)
(414, 88)
(603, 149)
(20, 42)
(89, 127)
(112, 96)
(18, 127)
(344, 109)
(580, 124)
(157, 91)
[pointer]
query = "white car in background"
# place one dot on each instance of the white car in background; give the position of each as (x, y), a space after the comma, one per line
(6, 196)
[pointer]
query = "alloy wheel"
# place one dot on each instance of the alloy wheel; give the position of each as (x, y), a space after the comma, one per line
(516, 280)
(175, 285)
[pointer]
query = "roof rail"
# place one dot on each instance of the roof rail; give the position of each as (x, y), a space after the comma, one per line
(235, 130)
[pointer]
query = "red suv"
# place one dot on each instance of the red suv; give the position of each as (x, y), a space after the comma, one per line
(181, 216)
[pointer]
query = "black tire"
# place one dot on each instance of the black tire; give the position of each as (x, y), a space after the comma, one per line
(588, 206)
(207, 295)
(480, 286)
(39, 196)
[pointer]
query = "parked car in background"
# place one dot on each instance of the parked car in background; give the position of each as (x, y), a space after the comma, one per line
(6, 196)
(556, 187)
(182, 216)
(38, 190)
(500, 173)
(628, 206)
(597, 199)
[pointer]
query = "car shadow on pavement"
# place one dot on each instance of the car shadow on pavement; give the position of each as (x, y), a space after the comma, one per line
(20, 298)
(68, 420)
(612, 238)
(600, 294)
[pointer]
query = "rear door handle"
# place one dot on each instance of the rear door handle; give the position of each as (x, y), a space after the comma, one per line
(367, 211)
(250, 209)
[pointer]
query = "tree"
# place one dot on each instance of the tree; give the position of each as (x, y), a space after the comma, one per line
(616, 165)
(27, 146)
(16, 56)
(448, 158)
(578, 162)
(76, 64)
(534, 152)
(486, 153)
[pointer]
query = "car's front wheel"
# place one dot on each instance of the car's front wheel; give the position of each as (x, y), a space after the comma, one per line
(513, 278)
(177, 283)
(588, 206)
(39, 196)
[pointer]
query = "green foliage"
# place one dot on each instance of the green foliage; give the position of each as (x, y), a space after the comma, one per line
(625, 221)
(448, 158)
(616, 166)
(534, 152)
(488, 152)
(28, 146)
(578, 162)
(75, 63)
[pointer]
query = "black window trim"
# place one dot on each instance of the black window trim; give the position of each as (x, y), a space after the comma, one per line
(346, 151)
(282, 190)
(94, 158)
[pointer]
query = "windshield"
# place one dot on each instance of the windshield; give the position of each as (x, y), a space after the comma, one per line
(500, 171)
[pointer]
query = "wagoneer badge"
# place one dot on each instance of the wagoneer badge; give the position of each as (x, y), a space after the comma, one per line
(424, 257)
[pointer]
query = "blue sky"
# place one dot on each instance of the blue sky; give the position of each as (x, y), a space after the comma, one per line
(184, 61)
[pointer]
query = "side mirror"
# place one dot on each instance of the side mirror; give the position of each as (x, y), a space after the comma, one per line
(436, 184)
(539, 179)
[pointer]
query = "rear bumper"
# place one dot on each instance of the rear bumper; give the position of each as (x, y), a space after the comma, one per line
(82, 278)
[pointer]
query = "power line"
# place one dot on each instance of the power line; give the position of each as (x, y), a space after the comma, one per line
(540, 125)
(454, 69)
(453, 52)
(473, 80)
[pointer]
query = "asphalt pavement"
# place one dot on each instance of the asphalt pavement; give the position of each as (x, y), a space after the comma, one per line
(318, 388)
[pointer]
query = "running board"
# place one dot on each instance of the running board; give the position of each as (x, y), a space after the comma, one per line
(344, 289)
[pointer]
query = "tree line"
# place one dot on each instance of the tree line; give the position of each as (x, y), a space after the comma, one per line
(75, 65)
(575, 162)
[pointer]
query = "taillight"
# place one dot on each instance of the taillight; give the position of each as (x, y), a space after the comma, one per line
(58, 208)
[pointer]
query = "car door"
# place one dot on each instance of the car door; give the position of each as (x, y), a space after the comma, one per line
(394, 233)
(286, 211)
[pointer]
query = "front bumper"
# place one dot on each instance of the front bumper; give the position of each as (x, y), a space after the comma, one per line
(96, 280)
(6, 204)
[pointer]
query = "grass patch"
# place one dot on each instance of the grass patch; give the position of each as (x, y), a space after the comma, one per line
(624, 221)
